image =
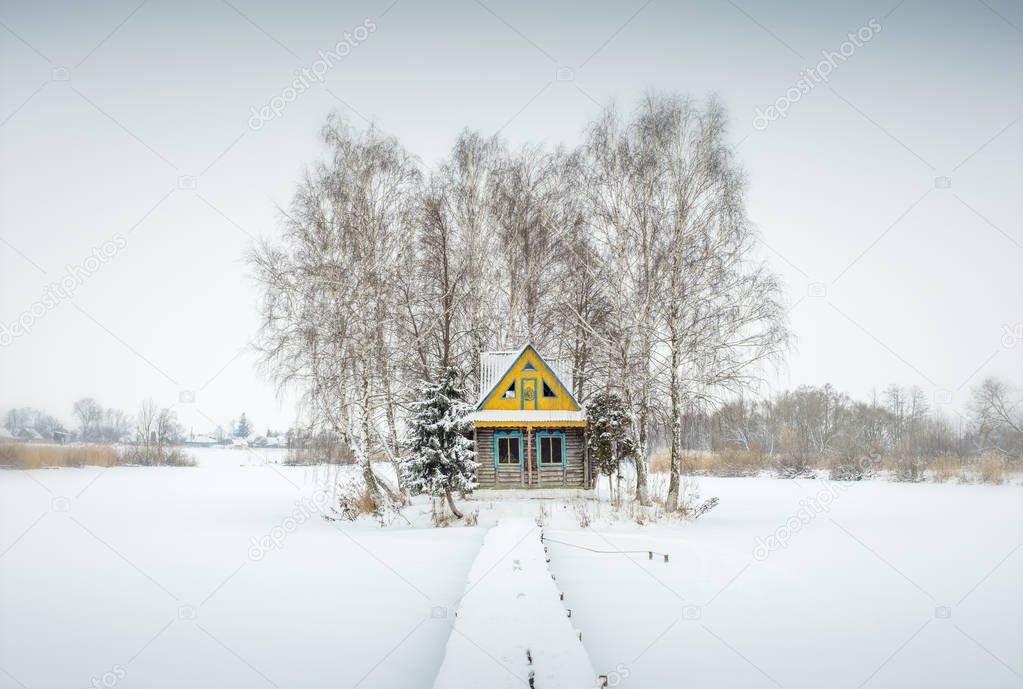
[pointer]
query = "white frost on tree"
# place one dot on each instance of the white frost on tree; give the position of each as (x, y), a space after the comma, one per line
(441, 458)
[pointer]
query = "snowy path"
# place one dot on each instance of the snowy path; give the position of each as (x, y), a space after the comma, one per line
(511, 605)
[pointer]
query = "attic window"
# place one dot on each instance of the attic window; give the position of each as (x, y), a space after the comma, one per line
(547, 391)
(529, 366)
(510, 392)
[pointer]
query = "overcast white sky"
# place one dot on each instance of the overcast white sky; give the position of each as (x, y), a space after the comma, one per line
(108, 109)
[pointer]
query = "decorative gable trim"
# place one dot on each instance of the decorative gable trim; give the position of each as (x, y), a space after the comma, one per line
(515, 360)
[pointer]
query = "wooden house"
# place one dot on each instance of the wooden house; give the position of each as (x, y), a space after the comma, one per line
(530, 431)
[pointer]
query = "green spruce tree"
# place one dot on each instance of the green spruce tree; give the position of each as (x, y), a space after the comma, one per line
(441, 457)
(609, 440)
(244, 429)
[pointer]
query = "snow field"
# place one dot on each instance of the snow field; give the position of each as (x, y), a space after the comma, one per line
(866, 585)
(223, 575)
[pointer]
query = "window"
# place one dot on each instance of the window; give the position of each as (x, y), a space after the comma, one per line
(550, 449)
(529, 366)
(507, 449)
(510, 392)
(547, 391)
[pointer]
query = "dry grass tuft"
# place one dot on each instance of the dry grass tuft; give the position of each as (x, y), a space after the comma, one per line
(726, 462)
(582, 513)
(20, 456)
(154, 456)
(660, 460)
(542, 517)
(354, 500)
(363, 503)
(946, 468)
(991, 468)
(737, 462)
(43, 456)
(440, 516)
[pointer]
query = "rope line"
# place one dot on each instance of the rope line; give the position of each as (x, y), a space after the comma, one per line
(605, 552)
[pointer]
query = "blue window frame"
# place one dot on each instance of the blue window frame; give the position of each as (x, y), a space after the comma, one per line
(550, 449)
(508, 449)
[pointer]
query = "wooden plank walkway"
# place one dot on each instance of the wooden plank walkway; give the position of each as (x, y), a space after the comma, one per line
(511, 629)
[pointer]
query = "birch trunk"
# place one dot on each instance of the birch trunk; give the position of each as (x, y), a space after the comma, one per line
(674, 480)
(362, 449)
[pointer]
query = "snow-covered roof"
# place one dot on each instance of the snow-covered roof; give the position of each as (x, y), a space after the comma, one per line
(525, 416)
(493, 366)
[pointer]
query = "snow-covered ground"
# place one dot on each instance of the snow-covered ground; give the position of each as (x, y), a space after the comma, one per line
(224, 575)
(809, 584)
(216, 576)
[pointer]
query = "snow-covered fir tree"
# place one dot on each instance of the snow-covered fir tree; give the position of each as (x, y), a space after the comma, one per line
(244, 428)
(609, 440)
(441, 458)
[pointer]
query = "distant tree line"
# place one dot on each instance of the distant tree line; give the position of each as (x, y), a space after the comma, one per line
(21, 420)
(95, 423)
(811, 424)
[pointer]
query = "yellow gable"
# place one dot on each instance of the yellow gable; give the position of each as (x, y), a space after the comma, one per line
(529, 385)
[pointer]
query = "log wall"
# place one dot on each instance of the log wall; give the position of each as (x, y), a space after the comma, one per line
(572, 475)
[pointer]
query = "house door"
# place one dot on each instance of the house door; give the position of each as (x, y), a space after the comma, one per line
(528, 386)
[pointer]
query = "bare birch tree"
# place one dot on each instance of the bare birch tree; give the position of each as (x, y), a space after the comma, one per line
(580, 313)
(89, 414)
(997, 411)
(614, 191)
(328, 289)
(522, 208)
(446, 299)
(720, 313)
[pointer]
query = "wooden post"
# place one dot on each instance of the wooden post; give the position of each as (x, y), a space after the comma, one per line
(586, 460)
(529, 454)
(564, 449)
(522, 468)
(476, 448)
